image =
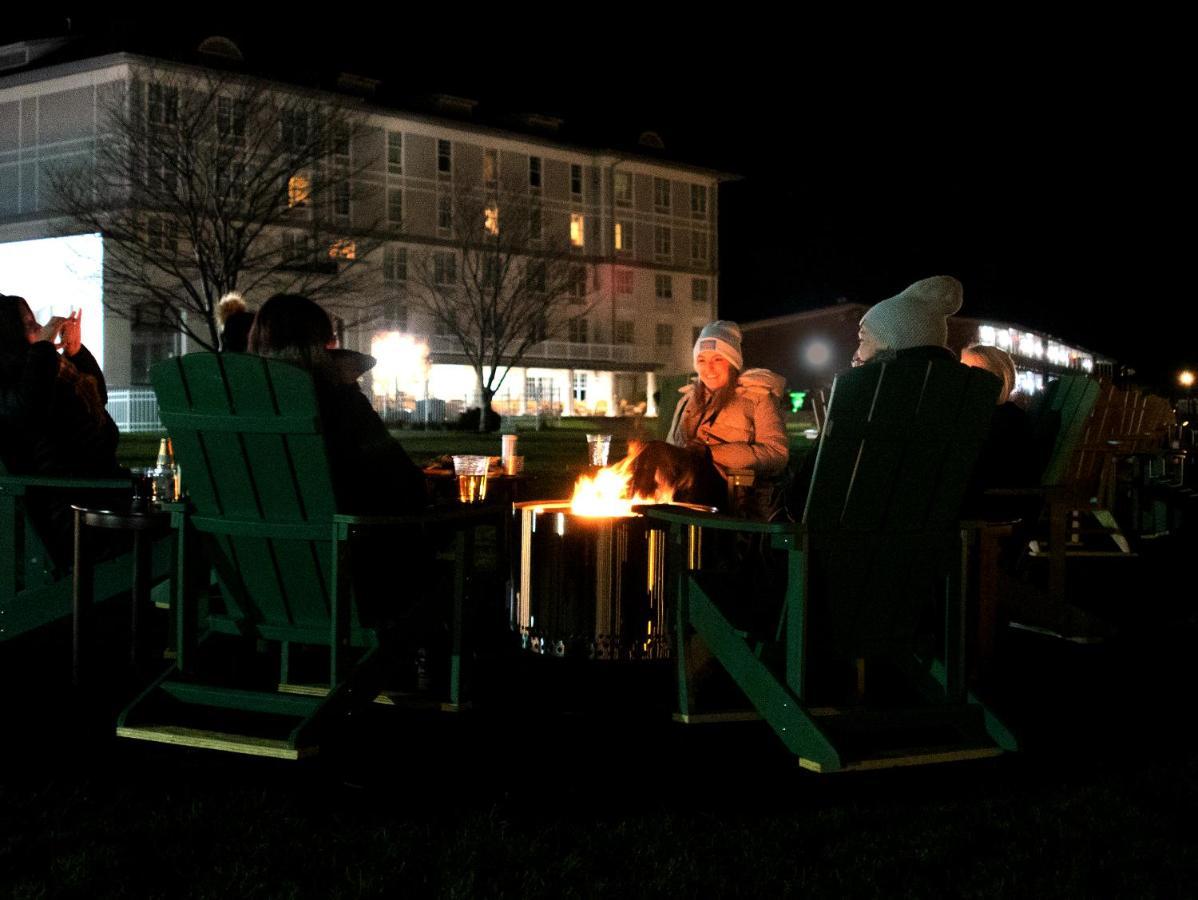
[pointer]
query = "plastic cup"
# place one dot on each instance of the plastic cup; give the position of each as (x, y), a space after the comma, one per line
(598, 446)
(508, 445)
(472, 478)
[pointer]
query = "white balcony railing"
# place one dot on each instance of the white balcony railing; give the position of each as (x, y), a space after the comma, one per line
(565, 350)
(134, 409)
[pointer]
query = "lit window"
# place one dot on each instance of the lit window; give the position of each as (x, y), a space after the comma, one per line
(624, 236)
(580, 383)
(395, 264)
(445, 212)
(663, 287)
(343, 249)
(662, 241)
(661, 194)
(445, 268)
(698, 247)
(491, 219)
(576, 180)
(534, 171)
(490, 166)
(665, 335)
(699, 201)
(623, 188)
(699, 290)
(576, 229)
(444, 156)
(624, 281)
(395, 152)
(395, 206)
(625, 332)
(299, 190)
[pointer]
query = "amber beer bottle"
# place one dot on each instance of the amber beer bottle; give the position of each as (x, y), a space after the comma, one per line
(166, 482)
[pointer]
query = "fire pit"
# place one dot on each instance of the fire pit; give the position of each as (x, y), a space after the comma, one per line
(592, 572)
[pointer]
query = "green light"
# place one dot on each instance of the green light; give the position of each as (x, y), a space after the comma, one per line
(796, 400)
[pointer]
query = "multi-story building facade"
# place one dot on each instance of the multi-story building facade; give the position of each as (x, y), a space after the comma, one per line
(641, 228)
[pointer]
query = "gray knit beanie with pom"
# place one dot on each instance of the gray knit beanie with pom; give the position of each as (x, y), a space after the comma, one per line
(917, 317)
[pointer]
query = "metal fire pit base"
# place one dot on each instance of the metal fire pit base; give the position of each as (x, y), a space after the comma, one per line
(591, 588)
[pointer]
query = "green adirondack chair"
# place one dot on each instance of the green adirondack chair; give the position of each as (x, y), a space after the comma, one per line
(35, 589)
(247, 435)
(1060, 418)
(878, 548)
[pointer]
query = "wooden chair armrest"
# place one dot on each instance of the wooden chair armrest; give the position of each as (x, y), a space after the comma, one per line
(464, 515)
(668, 513)
(20, 482)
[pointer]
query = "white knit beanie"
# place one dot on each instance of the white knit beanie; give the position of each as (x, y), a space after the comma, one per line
(917, 317)
(720, 337)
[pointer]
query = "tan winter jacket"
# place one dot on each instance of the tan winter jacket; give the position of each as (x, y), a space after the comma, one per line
(748, 433)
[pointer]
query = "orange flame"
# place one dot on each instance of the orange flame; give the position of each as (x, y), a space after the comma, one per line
(608, 493)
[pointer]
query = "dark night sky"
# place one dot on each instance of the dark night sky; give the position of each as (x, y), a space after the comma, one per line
(1041, 163)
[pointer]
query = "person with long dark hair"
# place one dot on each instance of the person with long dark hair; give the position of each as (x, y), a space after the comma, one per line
(371, 471)
(53, 419)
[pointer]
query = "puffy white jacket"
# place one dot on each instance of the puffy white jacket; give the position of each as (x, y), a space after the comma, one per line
(747, 433)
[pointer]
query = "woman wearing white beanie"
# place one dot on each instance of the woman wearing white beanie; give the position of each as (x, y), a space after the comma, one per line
(916, 317)
(728, 420)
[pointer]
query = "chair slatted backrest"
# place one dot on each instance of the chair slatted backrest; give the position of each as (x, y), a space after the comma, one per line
(247, 435)
(1058, 419)
(894, 461)
(1157, 424)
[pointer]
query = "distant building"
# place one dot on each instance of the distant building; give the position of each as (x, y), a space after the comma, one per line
(644, 229)
(810, 347)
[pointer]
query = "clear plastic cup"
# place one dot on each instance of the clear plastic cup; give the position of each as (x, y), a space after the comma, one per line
(598, 446)
(472, 478)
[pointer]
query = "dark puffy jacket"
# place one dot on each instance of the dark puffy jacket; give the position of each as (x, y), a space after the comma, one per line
(53, 422)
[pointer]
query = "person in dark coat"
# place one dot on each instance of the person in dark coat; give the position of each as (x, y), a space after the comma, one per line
(1010, 457)
(53, 419)
(371, 471)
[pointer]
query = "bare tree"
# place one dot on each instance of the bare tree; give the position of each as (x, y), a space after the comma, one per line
(507, 280)
(205, 182)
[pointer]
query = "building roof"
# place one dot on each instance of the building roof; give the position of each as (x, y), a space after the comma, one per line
(370, 82)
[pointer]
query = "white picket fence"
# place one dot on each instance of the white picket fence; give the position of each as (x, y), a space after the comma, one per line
(134, 409)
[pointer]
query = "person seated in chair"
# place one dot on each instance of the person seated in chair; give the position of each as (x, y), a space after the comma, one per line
(372, 473)
(1010, 457)
(726, 421)
(53, 419)
(912, 323)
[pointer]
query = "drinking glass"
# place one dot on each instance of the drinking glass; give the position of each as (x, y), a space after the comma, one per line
(598, 446)
(472, 478)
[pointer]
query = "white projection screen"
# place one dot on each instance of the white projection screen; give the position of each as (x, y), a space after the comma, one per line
(57, 275)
